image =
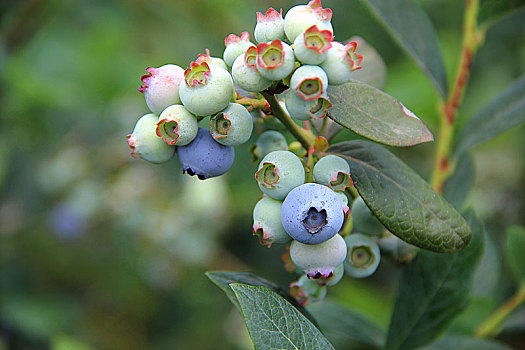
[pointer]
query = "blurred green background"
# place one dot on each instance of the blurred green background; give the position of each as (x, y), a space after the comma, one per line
(102, 251)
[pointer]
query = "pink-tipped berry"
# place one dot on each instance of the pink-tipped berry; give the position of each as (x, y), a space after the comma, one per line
(270, 26)
(301, 17)
(160, 87)
(340, 62)
(236, 46)
(145, 143)
(311, 47)
(275, 60)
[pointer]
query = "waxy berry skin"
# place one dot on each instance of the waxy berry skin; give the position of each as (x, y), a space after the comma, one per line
(207, 89)
(334, 172)
(364, 220)
(177, 126)
(309, 82)
(204, 157)
(270, 26)
(340, 62)
(363, 256)
(311, 46)
(145, 143)
(246, 75)
(236, 46)
(312, 213)
(232, 126)
(319, 260)
(300, 109)
(275, 60)
(301, 17)
(160, 87)
(267, 142)
(267, 222)
(279, 172)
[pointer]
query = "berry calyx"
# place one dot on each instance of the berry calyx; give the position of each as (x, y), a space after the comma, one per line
(279, 172)
(311, 47)
(232, 126)
(270, 26)
(177, 126)
(334, 172)
(363, 256)
(236, 46)
(275, 60)
(309, 82)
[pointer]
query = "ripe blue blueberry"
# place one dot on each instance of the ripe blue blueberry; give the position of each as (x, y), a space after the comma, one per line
(279, 172)
(312, 213)
(363, 256)
(204, 157)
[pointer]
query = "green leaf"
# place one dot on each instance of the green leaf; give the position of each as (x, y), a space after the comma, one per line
(459, 185)
(492, 10)
(466, 343)
(373, 71)
(273, 323)
(374, 114)
(223, 280)
(516, 251)
(347, 329)
(411, 28)
(433, 289)
(401, 199)
(503, 113)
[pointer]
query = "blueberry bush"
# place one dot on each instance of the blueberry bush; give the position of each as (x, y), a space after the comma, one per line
(365, 212)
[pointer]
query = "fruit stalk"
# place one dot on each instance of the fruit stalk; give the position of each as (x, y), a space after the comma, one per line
(299, 133)
(472, 39)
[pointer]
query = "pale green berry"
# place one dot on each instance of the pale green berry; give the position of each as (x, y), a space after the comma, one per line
(299, 108)
(301, 17)
(340, 62)
(344, 202)
(364, 220)
(145, 143)
(311, 47)
(279, 172)
(177, 126)
(363, 256)
(207, 89)
(332, 171)
(275, 60)
(232, 126)
(245, 73)
(319, 260)
(270, 26)
(307, 291)
(235, 47)
(267, 142)
(309, 82)
(267, 222)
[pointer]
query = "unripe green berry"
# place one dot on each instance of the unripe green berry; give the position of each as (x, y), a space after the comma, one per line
(177, 126)
(340, 62)
(311, 47)
(363, 256)
(216, 61)
(233, 126)
(364, 220)
(309, 82)
(301, 17)
(206, 90)
(307, 291)
(344, 202)
(275, 60)
(319, 260)
(245, 73)
(267, 222)
(332, 171)
(279, 172)
(300, 109)
(145, 143)
(270, 26)
(267, 142)
(236, 46)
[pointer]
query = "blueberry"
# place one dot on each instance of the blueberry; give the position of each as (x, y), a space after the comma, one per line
(363, 256)
(279, 172)
(364, 220)
(312, 213)
(204, 157)
(319, 261)
(267, 222)
(334, 172)
(306, 291)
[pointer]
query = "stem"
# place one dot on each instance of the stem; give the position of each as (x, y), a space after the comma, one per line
(303, 136)
(491, 325)
(472, 40)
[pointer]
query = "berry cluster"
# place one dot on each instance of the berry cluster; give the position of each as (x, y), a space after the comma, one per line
(304, 202)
